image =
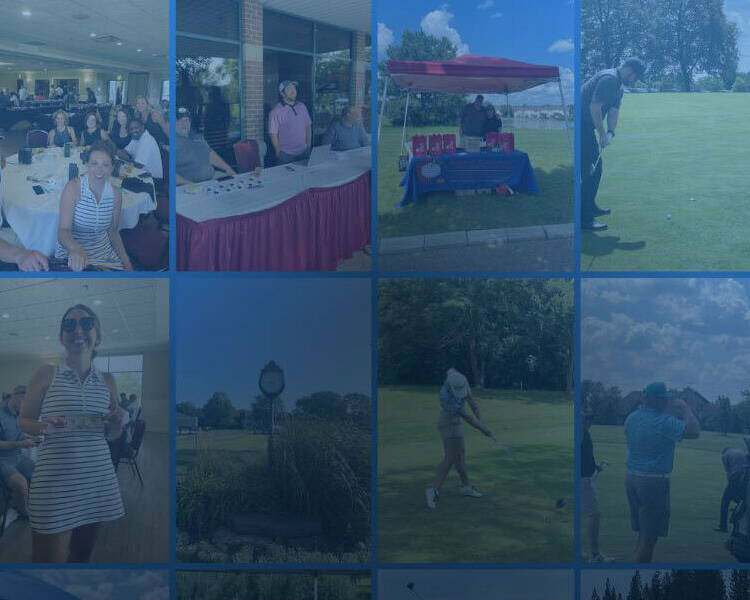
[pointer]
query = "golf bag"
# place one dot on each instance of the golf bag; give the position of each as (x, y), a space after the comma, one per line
(738, 543)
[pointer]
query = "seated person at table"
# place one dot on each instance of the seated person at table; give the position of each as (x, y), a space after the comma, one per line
(493, 123)
(153, 120)
(347, 133)
(471, 125)
(90, 96)
(289, 126)
(118, 133)
(15, 467)
(93, 131)
(90, 208)
(143, 149)
(62, 133)
(195, 159)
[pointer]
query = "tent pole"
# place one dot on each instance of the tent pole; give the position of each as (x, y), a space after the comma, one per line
(507, 105)
(406, 112)
(382, 105)
(565, 115)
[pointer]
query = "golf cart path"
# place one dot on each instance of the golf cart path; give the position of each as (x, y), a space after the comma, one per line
(539, 247)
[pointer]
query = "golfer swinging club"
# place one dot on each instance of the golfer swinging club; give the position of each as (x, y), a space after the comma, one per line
(651, 432)
(453, 395)
(601, 97)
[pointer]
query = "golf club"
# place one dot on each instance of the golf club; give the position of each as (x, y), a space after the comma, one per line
(410, 585)
(559, 502)
(610, 137)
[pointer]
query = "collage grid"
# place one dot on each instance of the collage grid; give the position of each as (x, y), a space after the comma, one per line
(578, 275)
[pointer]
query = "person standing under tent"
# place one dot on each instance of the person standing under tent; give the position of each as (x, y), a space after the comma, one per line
(471, 125)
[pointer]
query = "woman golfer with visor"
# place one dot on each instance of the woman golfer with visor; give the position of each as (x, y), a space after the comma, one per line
(454, 394)
(74, 487)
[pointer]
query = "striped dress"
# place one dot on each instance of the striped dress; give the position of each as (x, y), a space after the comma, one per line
(91, 223)
(74, 482)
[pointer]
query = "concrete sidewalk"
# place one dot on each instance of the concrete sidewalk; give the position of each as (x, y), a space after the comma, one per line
(477, 237)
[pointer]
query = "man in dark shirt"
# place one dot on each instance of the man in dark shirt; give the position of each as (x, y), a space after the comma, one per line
(15, 468)
(472, 121)
(600, 98)
(589, 498)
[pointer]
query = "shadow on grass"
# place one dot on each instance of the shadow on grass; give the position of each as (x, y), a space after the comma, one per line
(438, 212)
(515, 521)
(595, 246)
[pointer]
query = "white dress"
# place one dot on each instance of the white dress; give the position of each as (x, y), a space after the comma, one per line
(74, 482)
(91, 223)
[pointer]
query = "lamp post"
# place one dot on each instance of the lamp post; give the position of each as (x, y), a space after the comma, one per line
(271, 384)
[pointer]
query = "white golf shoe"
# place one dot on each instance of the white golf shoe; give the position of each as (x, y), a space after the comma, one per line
(431, 496)
(470, 491)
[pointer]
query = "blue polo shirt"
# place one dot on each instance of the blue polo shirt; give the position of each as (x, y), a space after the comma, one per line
(651, 437)
(10, 431)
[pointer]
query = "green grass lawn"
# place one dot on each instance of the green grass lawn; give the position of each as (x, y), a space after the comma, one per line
(237, 443)
(508, 523)
(697, 483)
(683, 155)
(437, 212)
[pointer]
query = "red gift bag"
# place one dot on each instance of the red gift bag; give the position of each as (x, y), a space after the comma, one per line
(449, 143)
(492, 138)
(435, 144)
(506, 141)
(419, 145)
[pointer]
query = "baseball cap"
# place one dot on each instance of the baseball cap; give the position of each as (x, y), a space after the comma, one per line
(286, 83)
(183, 113)
(657, 389)
(457, 384)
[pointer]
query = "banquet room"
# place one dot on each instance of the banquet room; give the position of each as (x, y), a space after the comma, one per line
(130, 339)
(82, 83)
(272, 150)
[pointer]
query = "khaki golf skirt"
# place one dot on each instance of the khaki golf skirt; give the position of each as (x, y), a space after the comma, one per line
(450, 425)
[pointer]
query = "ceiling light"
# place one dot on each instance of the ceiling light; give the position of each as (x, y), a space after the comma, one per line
(139, 50)
(119, 43)
(97, 302)
(46, 337)
(6, 316)
(115, 331)
(92, 34)
(26, 12)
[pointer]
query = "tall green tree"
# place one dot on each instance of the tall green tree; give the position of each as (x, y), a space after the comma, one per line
(636, 587)
(218, 412)
(739, 585)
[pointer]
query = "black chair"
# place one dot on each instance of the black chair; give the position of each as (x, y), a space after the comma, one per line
(135, 446)
(5, 500)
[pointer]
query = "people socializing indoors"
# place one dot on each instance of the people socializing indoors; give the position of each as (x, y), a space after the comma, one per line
(63, 133)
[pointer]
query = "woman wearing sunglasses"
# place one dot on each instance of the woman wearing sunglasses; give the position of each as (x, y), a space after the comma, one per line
(74, 487)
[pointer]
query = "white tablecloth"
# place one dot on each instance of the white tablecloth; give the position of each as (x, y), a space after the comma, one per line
(35, 218)
(246, 194)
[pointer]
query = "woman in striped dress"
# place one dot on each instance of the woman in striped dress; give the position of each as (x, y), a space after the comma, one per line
(74, 487)
(89, 230)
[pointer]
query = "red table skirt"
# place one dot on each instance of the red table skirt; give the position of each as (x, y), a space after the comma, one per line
(312, 231)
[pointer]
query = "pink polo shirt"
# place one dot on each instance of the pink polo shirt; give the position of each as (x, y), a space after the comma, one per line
(290, 123)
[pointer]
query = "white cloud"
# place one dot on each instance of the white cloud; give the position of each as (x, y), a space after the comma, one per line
(385, 39)
(486, 4)
(561, 46)
(437, 23)
(547, 94)
(497, 15)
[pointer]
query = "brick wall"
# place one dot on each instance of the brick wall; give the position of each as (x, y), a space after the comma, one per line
(357, 91)
(253, 126)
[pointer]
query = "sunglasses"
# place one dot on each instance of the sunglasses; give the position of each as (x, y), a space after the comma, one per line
(86, 323)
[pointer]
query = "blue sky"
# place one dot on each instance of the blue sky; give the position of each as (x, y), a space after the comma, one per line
(684, 332)
(227, 329)
(535, 31)
(478, 584)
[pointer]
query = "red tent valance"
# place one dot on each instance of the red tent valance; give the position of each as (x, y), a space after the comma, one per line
(470, 74)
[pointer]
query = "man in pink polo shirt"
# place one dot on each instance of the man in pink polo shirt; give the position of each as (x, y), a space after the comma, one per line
(290, 126)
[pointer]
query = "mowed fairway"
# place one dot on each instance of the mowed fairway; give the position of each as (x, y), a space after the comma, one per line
(682, 155)
(549, 152)
(238, 444)
(508, 523)
(697, 483)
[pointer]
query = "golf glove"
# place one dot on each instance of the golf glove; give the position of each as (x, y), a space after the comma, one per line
(610, 136)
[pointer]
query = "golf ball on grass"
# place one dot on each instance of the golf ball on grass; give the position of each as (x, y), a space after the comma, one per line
(669, 217)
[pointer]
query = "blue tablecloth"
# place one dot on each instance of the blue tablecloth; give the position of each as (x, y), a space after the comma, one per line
(468, 171)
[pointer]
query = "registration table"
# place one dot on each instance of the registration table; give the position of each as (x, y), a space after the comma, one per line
(468, 171)
(290, 218)
(35, 217)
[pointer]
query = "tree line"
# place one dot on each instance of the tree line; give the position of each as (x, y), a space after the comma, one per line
(682, 585)
(219, 412)
(500, 333)
(678, 39)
